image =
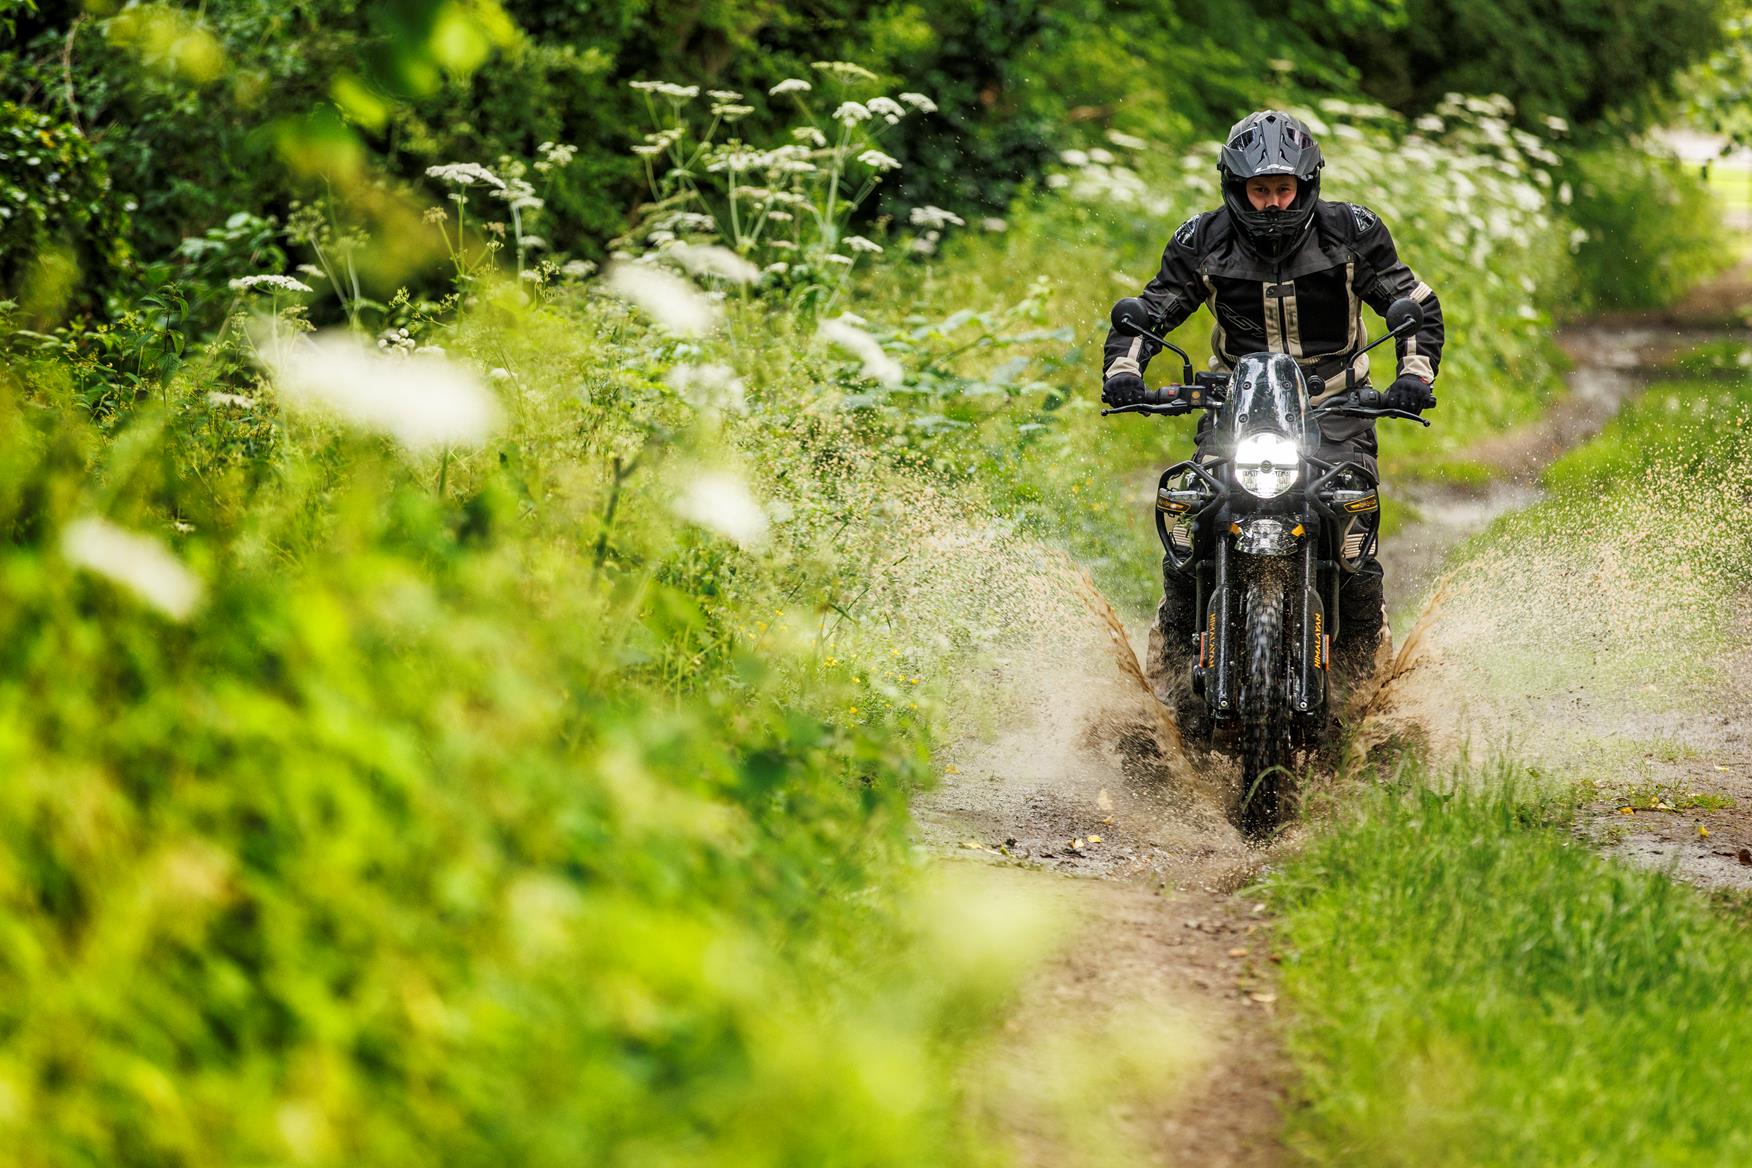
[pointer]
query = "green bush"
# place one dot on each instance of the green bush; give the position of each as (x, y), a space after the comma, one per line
(63, 230)
(1652, 229)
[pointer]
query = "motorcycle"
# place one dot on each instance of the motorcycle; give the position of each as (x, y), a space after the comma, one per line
(1268, 531)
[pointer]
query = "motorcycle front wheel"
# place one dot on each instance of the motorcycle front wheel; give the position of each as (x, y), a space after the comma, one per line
(1266, 751)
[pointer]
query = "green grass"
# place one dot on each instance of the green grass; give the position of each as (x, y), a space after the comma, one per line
(1469, 985)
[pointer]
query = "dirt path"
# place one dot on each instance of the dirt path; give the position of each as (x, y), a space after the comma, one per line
(1078, 796)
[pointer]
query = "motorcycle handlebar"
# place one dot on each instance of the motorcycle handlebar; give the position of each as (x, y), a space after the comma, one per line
(1170, 401)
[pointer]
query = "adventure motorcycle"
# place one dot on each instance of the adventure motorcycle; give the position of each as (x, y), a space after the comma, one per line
(1268, 531)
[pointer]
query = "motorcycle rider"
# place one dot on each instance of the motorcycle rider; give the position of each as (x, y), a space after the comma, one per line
(1283, 271)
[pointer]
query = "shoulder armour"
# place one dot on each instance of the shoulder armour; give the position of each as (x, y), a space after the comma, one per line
(1188, 231)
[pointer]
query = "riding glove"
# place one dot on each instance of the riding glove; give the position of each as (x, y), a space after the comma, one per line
(1123, 389)
(1409, 393)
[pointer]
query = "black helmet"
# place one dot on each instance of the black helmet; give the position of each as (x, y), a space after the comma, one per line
(1271, 142)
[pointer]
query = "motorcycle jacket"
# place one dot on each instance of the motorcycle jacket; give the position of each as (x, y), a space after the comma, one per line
(1309, 304)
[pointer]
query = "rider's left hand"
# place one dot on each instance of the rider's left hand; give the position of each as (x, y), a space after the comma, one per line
(1409, 393)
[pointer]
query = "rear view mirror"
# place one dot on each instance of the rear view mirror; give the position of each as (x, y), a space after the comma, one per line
(1131, 317)
(1404, 317)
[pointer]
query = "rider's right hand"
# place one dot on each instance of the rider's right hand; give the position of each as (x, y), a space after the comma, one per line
(1123, 389)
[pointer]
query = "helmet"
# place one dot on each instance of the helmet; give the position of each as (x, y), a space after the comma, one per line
(1271, 142)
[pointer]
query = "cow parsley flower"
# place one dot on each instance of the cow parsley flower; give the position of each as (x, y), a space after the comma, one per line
(844, 70)
(137, 562)
(879, 160)
(850, 113)
(878, 365)
(722, 503)
(714, 260)
(887, 108)
(919, 102)
(790, 85)
(424, 402)
(465, 174)
(929, 216)
(674, 303)
(274, 283)
(860, 244)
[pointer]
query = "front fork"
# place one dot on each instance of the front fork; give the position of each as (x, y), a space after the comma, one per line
(1217, 674)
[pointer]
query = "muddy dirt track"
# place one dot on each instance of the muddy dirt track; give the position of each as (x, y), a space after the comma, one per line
(1077, 795)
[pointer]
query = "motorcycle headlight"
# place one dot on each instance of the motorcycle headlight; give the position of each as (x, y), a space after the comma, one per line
(1267, 464)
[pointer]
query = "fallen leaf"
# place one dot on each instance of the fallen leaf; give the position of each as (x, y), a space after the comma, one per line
(1094, 839)
(1077, 844)
(974, 844)
(1627, 811)
(1102, 801)
(1262, 999)
(1238, 952)
(1702, 832)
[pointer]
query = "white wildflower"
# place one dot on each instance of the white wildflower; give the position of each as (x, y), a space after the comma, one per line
(780, 216)
(239, 400)
(1057, 182)
(715, 261)
(790, 85)
(887, 108)
(919, 102)
(497, 375)
(722, 503)
(311, 270)
(465, 174)
(723, 95)
(844, 70)
(277, 283)
(673, 302)
(425, 403)
(879, 160)
(1126, 141)
(555, 155)
(1104, 157)
(576, 269)
(836, 258)
(137, 562)
(851, 113)
(1556, 124)
(859, 243)
(710, 387)
(809, 134)
(929, 216)
(994, 224)
(731, 112)
(878, 365)
(1073, 158)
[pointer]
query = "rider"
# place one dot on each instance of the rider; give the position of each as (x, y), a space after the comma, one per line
(1285, 272)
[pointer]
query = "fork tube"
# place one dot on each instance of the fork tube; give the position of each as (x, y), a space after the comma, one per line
(1311, 662)
(1222, 616)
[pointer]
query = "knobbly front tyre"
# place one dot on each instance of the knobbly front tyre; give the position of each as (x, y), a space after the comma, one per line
(1266, 751)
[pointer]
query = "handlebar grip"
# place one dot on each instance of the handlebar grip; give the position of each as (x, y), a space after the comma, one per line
(1369, 399)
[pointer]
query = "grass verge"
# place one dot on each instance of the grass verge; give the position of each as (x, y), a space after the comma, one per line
(1470, 985)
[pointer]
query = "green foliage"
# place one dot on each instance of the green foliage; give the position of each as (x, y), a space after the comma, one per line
(61, 225)
(1653, 229)
(1469, 985)
(1579, 59)
(442, 789)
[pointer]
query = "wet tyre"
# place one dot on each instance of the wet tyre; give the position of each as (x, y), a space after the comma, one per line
(1264, 732)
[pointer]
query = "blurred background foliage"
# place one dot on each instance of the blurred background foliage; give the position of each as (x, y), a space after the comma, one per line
(494, 806)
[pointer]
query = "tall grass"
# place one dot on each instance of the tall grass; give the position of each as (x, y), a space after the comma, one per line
(1470, 985)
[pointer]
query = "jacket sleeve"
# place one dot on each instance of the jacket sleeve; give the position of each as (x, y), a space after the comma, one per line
(1381, 279)
(1173, 294)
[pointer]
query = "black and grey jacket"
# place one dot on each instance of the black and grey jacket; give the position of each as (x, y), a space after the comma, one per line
(1309, 306)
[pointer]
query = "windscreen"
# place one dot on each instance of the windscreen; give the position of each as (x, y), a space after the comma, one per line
(1265, 393)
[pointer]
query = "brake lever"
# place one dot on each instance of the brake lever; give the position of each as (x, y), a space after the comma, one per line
(1359, 412)
(1166, 410)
